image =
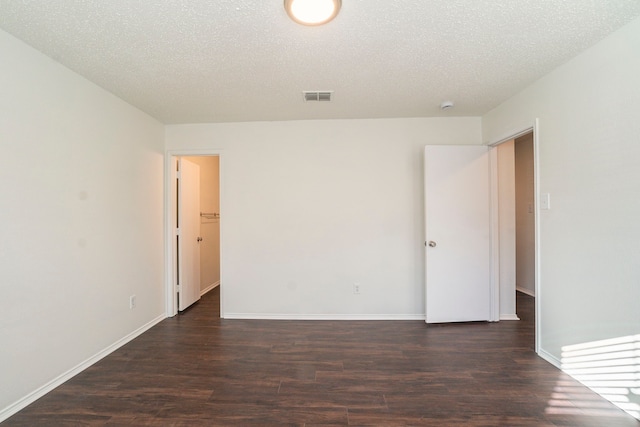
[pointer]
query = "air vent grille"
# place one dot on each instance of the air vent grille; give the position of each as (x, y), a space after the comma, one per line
(324, 96)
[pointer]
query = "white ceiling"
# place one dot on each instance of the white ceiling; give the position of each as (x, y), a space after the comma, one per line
(190, 61)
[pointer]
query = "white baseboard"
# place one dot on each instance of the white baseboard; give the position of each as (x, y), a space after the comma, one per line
(550, 358)
(509, 317)
(526, 291)
(59, 380)
(210, 288)
(270, 316)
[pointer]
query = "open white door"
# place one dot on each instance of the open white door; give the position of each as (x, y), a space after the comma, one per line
(189, 235)
(458, 252)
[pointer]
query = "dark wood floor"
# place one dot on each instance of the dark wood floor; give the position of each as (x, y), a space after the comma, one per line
(198, 370)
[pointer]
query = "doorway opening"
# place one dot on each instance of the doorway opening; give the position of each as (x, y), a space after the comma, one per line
(193, 234)
(209, 220)
(517, 227)
(524, 216)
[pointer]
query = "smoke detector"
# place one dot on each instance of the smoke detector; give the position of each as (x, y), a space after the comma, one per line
(446, 105)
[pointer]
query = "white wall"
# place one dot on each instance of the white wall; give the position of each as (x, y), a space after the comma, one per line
(81, 222)
(589, 147)
(311, 207)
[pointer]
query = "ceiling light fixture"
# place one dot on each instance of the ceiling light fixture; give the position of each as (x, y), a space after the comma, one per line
(312, 12)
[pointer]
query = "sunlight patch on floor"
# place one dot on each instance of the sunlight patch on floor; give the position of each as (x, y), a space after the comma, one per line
(611, 368)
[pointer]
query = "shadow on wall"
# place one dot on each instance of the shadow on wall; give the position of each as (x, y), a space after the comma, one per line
(610, 368)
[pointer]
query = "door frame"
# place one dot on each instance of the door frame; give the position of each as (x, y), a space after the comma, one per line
(170, 207)
(495, 263)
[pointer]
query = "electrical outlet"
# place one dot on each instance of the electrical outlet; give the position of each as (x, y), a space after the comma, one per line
(132, 302)
(356, 288)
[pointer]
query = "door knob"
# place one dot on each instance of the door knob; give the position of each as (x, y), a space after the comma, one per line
(199, 239)
(432, 244)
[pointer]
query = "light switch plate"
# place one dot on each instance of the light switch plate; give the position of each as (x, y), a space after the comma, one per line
(545, 201)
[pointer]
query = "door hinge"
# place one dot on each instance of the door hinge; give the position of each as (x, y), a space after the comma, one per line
(177, 231)
(178, 175)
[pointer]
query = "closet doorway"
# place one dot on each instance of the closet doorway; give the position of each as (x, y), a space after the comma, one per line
(205, 223)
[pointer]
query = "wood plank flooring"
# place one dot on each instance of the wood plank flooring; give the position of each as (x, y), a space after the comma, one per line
(198, 370)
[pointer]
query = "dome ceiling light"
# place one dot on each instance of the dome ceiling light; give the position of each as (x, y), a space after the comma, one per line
(312, 12)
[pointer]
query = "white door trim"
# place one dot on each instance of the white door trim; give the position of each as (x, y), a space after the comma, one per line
(171, 306)
(495, 284)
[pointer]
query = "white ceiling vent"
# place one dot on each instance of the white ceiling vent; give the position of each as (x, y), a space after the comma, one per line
(317, 95)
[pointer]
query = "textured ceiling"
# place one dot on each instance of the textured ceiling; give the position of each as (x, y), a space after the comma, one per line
(190, 61)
